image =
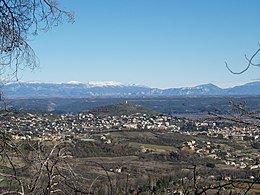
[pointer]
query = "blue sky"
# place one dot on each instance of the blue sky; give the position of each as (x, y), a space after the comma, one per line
(157, 43)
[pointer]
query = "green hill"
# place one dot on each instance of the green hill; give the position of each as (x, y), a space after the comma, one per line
(121, 109)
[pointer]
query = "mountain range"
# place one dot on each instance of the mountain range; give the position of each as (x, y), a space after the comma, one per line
(115, 89)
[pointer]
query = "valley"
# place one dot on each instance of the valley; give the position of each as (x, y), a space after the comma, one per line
(128, 149)
(194, 106)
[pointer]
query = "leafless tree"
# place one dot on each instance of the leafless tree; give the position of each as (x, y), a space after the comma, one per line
(241, 114)
(249, 63)
(38, 166)
(19, 20)
(197, 185)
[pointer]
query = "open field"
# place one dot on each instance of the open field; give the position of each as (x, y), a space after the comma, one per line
(152, 147)
(121, 166)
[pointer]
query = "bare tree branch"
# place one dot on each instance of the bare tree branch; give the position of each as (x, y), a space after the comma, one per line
(18, 21)
(250, 63)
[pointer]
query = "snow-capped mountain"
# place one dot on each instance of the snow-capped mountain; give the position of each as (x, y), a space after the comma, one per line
(73, 89)
(106, 84)
(117, 89)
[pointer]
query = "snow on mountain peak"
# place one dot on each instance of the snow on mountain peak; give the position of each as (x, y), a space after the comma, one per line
(74, 82)
(105, 84)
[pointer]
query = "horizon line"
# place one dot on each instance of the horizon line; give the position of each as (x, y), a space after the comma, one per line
(116, 83)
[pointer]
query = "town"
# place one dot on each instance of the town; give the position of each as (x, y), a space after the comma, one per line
(129, 142)
(50, 126)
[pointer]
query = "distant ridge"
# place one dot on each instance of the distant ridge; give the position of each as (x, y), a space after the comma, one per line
(115, 89)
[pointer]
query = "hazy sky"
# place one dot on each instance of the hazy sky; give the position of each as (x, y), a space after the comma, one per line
(158, 43)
